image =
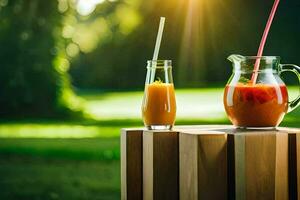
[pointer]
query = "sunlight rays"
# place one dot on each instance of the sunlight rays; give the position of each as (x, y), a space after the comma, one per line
(203, 33)
(192, 52)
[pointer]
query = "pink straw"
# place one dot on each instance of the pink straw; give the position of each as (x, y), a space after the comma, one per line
(263, 41)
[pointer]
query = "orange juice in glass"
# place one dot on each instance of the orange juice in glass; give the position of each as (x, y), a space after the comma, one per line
(159, 104)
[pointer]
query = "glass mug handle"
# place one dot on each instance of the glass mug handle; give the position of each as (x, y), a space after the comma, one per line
(296, 70)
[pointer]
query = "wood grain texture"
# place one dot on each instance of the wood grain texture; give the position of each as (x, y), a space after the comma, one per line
(258, 164)
(261, 169)
(293, 162)
(281, 170)
(203, 165)
(239, 167)
(230, 168)
(188, 166)
(131, 164)
(148, 166)
(160, 165)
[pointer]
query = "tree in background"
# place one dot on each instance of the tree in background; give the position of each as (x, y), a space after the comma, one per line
(199, 35)
(33, 78)
(106, 44)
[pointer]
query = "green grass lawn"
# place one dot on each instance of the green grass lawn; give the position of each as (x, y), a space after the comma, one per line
(42, 159)
(26, 177)
(205, 104)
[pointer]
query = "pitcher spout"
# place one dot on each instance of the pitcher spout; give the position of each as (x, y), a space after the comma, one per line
(235, 58)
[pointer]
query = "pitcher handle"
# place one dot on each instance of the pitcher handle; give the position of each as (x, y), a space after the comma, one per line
(296, 70)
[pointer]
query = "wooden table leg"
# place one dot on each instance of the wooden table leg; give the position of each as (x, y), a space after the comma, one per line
(160, 165)
(131, 164)
(261, 165)
(203, 165)
(294, 166)
(293, 162)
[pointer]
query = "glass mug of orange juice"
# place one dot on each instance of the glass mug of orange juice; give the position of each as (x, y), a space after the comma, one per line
(159, 104)
(261, 104)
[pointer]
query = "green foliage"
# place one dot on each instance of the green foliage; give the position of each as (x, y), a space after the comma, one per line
(198, 36)
(31, 82)
(108, 47)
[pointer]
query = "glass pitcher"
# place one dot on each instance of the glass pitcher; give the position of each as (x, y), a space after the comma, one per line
(262, 103)
(159, 104)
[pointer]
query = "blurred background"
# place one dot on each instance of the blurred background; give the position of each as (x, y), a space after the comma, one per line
(72, 74)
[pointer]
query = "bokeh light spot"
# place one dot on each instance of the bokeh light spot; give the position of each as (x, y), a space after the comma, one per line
(86, 7)
(72, 50)
(68, 31)
(24, 35)
(3, 3)
(63, 6)
(128, 19)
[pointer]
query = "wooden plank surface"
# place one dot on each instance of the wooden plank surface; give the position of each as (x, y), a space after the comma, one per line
(294, 162)
(160, 165)
(258, 164)
(260, 160)
(203, 165)
(131, 164)
(261, 165)
(188, 165)
(281, 167)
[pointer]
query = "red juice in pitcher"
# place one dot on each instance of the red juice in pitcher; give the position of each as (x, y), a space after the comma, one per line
(259, 105)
